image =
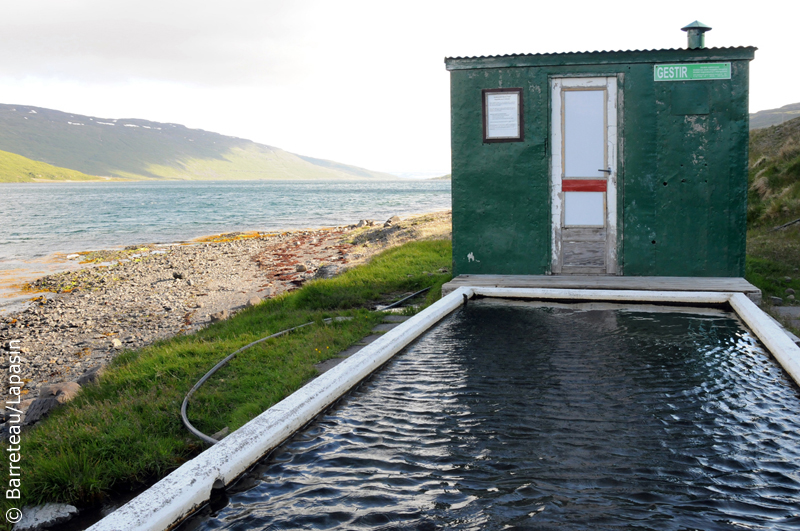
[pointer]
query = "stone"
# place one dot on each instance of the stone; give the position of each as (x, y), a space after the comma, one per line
(369, 339)
(39, 409)
(44, 516)
(63, 392)
(327, 365)
(91, 376)
(789, 291)
(219, 316)
(395, 318)
(776, 301)
(385, 327)
(26, 404)
(361, 223)
(350, 351)
(116, 343)
(300, 268)
(253, 301)
(327, 271)
(790, 297)
(177, 275)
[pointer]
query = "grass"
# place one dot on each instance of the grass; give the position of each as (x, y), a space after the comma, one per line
(773, 261)
(774, 175)
(126, 431)
(18, 169)
(773, 255)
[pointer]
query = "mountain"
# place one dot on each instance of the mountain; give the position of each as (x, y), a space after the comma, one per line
(769, 117)
(774, 176)
(141, 149)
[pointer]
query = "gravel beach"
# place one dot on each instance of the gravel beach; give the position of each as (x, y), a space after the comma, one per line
(80, 320)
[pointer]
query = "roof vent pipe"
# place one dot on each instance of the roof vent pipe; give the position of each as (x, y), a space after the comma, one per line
(695, 33)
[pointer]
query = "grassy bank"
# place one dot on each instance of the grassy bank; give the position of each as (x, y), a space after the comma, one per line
(774, 175)
(126, 431)
(773, 261)
(773, 254)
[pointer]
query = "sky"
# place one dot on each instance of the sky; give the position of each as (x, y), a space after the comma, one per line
(357, 82)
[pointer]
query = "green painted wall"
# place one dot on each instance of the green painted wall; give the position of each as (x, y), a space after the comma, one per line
(682, 179)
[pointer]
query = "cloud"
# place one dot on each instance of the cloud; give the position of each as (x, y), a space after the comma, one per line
(358, 81)
(232, 43)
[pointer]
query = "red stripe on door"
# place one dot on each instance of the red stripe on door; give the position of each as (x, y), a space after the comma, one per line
(583, 185)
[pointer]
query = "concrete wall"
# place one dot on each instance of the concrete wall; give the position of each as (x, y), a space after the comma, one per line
(682, 177)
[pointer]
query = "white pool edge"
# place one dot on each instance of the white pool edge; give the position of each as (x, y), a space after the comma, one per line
(169, 501)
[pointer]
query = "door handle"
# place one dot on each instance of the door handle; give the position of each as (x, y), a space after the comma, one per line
(608, 171)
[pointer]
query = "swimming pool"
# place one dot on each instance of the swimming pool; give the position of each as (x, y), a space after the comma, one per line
(540, 415)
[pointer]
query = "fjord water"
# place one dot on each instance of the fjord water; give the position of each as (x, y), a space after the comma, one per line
(512, 416)
(43, 218)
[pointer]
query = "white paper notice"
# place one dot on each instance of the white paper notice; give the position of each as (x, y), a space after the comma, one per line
(502, 115)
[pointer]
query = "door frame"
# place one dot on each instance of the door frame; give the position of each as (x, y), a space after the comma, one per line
(609, 84)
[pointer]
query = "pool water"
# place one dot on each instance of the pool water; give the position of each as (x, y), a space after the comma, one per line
(512, 415)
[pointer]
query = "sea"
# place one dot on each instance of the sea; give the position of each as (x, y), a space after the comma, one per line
(43, 223)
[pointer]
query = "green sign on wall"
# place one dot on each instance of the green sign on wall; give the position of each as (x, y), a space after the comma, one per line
(692, 71)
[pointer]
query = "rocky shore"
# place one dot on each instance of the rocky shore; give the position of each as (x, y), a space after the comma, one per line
(80, 320)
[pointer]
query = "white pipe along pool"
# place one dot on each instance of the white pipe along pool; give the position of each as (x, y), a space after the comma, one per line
(187, 488)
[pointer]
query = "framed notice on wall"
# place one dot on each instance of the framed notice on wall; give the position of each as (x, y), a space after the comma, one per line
(502, 115)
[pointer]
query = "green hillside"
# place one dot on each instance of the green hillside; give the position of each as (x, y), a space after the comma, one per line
(254, 161)
(140, 149)
(18, 169)
(773, 213)
(770, 117)
(774, 177)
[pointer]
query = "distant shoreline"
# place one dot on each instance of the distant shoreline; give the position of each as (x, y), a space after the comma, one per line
(74, 217)
(174, 180)
(13, 297)
(254, 179)
(81, 319)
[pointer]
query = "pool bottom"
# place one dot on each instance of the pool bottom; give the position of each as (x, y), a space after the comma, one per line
(513, 416)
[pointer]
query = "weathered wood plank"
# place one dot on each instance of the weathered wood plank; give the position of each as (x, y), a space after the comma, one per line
(583, 270)
(583, 234)
(584, 254)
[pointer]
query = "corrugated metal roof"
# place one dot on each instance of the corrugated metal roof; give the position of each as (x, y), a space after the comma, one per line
(599, 52)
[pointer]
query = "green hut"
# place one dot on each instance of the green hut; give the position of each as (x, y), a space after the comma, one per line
(601, 163)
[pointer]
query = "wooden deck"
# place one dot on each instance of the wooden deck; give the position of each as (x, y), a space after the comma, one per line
(723, 284)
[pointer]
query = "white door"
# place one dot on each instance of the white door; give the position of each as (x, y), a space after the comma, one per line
(583, 179)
